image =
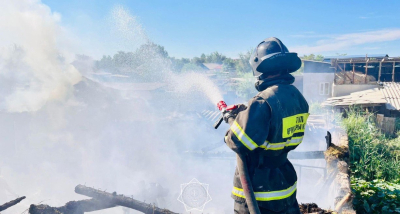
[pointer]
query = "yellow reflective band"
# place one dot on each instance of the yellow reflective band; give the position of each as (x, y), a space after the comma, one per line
(294, 141)
(268, 196)
(242, 136)
(294, 124)
(273, 146)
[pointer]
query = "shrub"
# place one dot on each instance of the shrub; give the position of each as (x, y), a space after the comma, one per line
(377, 196)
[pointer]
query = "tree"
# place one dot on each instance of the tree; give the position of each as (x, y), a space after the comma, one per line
(242, 65)
(319, 58)
(245, 87)
(177, 64)
(228, 65)
(313, 57)
(215, 57)
(105, 63)
(198, 61)
(189, 67)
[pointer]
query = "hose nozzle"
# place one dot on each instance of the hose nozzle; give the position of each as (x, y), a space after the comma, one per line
(223, 108)
(221, 105)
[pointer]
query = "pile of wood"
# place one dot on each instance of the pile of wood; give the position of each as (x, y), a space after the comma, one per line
(313, 208)
(100, 200)
(347, 77)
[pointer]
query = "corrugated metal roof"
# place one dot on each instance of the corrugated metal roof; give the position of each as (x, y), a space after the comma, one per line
(366, 97)
(391, 91)
(356, 56)
(389, 95)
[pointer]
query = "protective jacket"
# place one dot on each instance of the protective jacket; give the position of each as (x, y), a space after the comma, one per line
(272, 125)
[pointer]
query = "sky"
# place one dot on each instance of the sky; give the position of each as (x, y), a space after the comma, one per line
(188, 28)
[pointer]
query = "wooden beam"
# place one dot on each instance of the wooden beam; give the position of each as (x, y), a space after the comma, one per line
(348, 77)
(11, 203)
(366, 71)
(380, 71)
(394, 64)
(334, 80)
(340, 67)
(72, 207)
(120, 200)
(344, 71)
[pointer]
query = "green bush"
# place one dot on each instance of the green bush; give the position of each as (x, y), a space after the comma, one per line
(376, 196)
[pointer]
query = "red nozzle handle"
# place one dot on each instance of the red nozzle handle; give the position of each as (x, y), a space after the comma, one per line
(221, 105)
(231, 107)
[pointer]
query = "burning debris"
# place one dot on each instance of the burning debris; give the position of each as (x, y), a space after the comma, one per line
(313, 208)
(100, 200)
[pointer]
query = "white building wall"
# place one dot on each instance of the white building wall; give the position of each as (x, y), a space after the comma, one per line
(347, 89)
(312, 85)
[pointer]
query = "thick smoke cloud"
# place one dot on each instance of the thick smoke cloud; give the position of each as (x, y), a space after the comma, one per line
(33, 70)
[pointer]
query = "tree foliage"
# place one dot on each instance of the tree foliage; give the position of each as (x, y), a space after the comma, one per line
(151, 58)
(245, 86)
(146, 63)
(313, 57)
(243, 64)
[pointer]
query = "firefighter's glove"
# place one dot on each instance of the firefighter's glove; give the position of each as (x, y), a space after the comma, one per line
(228, 115)
(233, 113)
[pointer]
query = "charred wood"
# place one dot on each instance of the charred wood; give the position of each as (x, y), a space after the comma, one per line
(72, 207)
(11, 203)
(120, 200)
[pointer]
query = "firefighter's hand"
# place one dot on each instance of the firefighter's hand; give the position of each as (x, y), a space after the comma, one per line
(233, 113)
(241, 107)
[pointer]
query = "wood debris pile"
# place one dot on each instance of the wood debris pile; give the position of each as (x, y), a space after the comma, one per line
(100, 200)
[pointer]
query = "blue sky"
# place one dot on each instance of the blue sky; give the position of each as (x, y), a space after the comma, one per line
(188, 28)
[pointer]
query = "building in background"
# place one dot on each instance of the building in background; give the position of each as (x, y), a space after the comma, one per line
(343, 75)
(318, 79)
(213, 67)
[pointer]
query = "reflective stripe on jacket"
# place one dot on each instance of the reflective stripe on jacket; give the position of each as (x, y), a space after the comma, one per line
(272, 125)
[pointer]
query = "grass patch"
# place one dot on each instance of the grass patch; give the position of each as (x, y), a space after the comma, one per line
(374, 164)
(373, 155)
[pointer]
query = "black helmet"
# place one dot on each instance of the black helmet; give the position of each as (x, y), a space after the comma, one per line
(271, 57)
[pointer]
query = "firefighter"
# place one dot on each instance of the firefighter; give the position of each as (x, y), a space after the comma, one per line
(272, 124)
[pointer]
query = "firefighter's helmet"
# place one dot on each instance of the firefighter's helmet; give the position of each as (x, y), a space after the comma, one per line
(271, 57)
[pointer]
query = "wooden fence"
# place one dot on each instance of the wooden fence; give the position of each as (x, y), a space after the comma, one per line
(386, 124)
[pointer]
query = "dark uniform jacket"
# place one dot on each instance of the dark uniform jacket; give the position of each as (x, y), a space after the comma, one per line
(272, 125)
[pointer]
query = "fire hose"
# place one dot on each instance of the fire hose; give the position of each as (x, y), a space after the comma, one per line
(241, 165)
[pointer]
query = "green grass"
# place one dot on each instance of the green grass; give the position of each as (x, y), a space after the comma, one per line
(374, 164)
(373, 155)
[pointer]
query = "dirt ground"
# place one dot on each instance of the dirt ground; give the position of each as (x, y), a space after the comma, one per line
(313, 208)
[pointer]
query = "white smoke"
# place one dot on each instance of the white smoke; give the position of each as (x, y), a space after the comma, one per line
(33, 69)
